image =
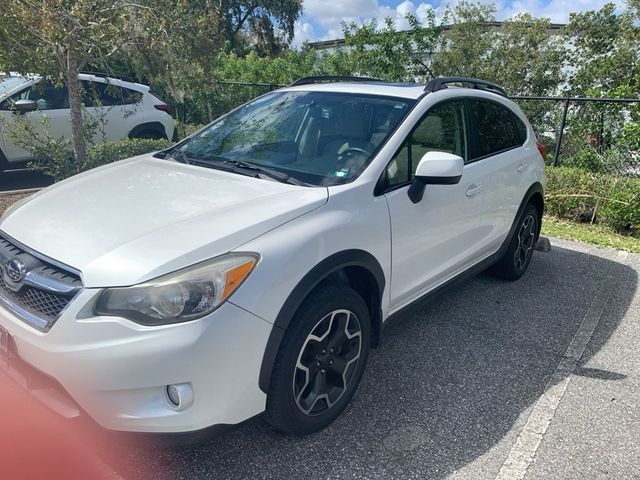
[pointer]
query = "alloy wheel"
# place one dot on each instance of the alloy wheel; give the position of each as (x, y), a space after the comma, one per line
(327, 362)
(526, 240)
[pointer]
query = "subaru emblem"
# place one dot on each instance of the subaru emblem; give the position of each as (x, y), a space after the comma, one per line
(16, 270)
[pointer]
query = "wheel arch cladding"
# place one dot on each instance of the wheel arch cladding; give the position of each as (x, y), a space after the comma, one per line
(534, 196)
(537, 200)
(356, 268)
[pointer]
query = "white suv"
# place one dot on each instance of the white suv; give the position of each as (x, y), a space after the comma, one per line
(254, 265)
(123, 109)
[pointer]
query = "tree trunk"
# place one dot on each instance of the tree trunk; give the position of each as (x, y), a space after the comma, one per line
(75, 105)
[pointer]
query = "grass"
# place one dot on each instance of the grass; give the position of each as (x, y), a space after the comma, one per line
(599, 235)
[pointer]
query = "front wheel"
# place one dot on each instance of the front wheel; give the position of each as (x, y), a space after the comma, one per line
(516, 260)
(320, 361)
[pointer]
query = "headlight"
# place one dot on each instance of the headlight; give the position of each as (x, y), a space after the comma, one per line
(180, 296)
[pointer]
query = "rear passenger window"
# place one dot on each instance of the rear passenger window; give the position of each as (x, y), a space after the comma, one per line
(97, 94)
(494, 126)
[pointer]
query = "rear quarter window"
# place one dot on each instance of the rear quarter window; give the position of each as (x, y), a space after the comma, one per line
(495, 130)
(521, 128)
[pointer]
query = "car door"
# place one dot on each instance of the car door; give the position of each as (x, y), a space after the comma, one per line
(53, 103)
(113, 109)
(496, 150)
(435, 238)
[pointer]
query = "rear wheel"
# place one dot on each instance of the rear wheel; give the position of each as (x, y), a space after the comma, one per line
(518, 256)
(149, 134)
(320, 361)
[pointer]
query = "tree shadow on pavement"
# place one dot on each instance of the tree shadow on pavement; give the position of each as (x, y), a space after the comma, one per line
(450, 383)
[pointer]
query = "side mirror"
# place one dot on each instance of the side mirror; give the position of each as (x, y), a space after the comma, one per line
(435, 168)
(24, 106)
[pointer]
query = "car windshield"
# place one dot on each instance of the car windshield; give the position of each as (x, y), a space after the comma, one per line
(8, 83)
(320, 138)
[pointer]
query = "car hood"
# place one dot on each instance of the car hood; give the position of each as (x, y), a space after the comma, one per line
(141, 218)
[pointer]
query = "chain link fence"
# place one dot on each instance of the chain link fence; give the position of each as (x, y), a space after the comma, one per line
(591, 134)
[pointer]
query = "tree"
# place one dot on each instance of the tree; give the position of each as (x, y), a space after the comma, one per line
(266, 25)
(521, 55)
(468, 41)
(386, 53)
(606, 51)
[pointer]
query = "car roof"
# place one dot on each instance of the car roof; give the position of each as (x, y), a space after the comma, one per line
(113, 81)
(412, 91)
(402, 90)
(33, 78)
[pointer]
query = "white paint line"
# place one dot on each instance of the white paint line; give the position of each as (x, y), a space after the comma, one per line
(531, 435)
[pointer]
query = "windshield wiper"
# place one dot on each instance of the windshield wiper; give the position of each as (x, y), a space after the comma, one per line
(267, 172)
(175, 153)
(235, 166)
(241, 167)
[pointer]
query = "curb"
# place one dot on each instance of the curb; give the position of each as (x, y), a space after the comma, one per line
(24, 190)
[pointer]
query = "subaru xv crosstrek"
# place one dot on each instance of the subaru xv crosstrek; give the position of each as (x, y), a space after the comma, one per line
(253, 266)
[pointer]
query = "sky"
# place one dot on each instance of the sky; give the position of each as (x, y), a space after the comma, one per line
(321, 19)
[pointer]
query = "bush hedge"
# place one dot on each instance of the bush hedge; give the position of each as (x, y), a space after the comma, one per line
(109, 152)
(581, 195)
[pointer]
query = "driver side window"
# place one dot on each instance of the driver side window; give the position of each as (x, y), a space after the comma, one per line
(47, 96)
(442, 129)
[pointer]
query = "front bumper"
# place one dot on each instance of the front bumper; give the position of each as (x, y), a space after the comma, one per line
(117, 371)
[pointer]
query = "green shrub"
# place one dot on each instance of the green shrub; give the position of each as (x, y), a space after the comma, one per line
(109, 152)
(578, 194)
(586, 160)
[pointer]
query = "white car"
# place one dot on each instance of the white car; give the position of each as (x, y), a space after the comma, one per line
(124, 110)
(253, 266)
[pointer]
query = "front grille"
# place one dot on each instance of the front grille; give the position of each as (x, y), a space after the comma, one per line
(45, 303)
(45, 290)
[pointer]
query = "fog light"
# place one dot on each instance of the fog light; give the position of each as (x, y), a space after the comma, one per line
(180, 396)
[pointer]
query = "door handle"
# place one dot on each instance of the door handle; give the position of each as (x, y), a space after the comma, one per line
(473, 189)
(522, 167)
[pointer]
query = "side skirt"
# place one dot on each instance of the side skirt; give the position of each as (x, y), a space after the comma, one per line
(424, 300)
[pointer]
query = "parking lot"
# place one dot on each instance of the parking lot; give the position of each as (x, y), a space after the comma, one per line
(456, 390)
(23, 179)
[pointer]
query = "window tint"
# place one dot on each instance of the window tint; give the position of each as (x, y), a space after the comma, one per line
(98, 94)
(495, 130)
(441, 130)
(47, 95)
(522, 129)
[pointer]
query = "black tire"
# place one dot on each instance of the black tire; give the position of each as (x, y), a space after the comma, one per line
(518, 256)
(292, 389)
(150, 134)
(4, 164)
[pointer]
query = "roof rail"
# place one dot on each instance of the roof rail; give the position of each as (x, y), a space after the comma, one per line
(109, 75)
(441, 82)
(331, 78)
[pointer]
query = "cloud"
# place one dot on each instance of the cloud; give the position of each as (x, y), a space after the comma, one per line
(322, 19)
(302, 32)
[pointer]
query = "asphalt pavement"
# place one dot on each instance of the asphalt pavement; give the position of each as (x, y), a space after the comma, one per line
(535, 379)
(23, 179)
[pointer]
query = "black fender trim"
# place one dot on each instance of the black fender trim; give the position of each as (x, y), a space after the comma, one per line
(337, 261)
(155, 127)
